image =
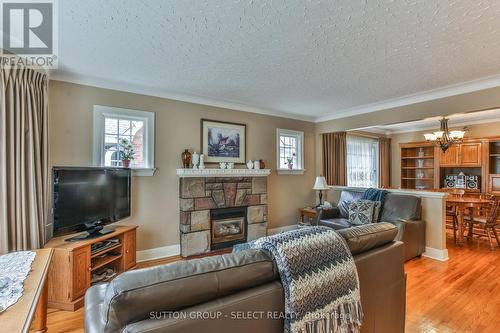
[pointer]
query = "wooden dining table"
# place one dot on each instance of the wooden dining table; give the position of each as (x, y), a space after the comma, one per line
(462, 204)
(31, 309)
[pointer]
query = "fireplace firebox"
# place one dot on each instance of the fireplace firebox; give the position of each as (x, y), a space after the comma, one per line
(228, 227)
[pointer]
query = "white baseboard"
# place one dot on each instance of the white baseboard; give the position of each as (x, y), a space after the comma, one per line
(175, 250)
(436, 254)
(159, 252)
(277, 230)
(430, 252)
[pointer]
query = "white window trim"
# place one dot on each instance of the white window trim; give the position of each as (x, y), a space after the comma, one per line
(100, 112)
(300, 152)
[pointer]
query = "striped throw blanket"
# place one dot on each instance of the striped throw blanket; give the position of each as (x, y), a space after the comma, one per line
(319, 278)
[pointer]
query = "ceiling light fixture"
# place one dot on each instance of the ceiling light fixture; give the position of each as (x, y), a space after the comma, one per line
(444, 138)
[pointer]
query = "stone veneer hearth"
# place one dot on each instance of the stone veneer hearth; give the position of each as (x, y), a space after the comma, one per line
(198, 195)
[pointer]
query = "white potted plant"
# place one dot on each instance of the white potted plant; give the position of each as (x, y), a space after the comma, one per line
(289, 161)
(127, 152)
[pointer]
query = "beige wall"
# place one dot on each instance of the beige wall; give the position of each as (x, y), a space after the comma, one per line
(155, 206)
(155, 199)
(477, 131)
(474, 101)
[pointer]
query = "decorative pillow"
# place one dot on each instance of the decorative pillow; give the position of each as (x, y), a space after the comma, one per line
(343, 206)
(361, 212)
(376, 211)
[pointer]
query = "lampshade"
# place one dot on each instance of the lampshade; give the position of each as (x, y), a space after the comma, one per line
(457, 134)
(439, 134)
(429, 136)
(444, 138)
(320, 184)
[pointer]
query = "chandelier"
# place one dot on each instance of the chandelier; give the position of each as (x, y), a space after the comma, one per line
(444, 138)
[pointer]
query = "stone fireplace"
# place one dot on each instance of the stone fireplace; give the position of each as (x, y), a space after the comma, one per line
(218, 212)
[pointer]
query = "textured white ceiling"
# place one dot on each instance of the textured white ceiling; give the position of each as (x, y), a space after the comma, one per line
(310, 59)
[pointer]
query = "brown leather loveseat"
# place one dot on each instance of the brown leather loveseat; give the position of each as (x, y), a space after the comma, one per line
(241, 292)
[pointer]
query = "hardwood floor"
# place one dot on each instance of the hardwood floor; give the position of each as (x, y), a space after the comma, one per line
(460, 295)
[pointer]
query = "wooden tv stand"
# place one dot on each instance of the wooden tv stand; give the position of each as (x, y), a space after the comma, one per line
(73, 264)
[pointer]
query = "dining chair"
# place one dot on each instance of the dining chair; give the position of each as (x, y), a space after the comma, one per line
(486, 196)
(451, 212)
(489, 223)
(482, 211)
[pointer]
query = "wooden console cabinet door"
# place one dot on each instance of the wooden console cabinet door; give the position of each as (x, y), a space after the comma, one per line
(450, 157)
(129, 249)
(81, 272)
(470, 154)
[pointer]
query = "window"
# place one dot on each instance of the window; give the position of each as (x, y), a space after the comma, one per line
(111, 125)
(362, 161)
(290, 151)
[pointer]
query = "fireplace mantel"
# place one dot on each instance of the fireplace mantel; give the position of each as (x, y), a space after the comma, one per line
(184, 173)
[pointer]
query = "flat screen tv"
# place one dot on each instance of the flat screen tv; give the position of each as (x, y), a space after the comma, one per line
(86, 199)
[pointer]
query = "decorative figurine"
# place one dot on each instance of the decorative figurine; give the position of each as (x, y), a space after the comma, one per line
(250, 164)
(196, 160)
(202, 162)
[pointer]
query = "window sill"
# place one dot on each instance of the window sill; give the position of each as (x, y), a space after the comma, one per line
(143, 172)
(290, 172)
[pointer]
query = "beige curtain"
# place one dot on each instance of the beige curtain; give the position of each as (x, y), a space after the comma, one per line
(384, 162)
(334, 166)
(23, 158)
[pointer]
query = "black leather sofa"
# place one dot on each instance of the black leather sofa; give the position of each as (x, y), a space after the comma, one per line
(403, 211)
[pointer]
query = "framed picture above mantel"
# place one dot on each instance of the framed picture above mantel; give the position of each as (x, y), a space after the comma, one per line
(223, 141)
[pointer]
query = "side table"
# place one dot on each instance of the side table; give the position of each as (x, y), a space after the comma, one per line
(307, 216)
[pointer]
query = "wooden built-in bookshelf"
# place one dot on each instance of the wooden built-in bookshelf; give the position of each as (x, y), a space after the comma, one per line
(418, 166)
(424, 166)
(494, 166)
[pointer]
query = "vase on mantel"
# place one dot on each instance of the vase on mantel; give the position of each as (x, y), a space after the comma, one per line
(186, 159)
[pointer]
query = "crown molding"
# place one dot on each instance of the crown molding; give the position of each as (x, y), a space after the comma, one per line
(156, 92)
(416, 128)
(447, 91)
(451, 125)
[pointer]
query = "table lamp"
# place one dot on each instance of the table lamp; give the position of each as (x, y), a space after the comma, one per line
(320, 185)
